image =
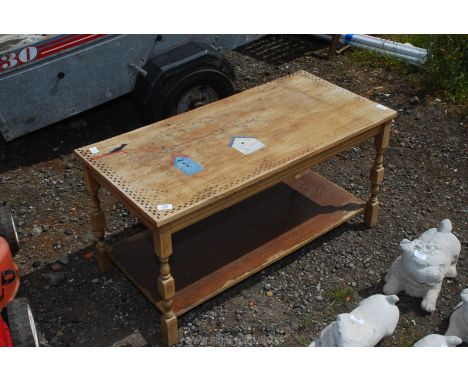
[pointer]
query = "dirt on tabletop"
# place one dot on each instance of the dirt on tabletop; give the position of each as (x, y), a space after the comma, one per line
(288, 303)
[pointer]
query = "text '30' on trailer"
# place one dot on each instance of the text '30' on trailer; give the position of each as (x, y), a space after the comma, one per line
(47, 78)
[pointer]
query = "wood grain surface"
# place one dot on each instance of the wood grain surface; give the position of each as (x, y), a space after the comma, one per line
(222, 250)
(296, 117)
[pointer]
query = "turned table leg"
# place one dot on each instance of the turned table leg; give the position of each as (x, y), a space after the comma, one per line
(99, 222)
(376, 175)
(166, 285)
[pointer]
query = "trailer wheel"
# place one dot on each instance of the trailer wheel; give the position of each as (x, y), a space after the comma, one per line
(21, 323)
(190, 90)
(8, 229)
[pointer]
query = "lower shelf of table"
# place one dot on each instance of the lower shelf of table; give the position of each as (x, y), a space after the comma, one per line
(224, 249)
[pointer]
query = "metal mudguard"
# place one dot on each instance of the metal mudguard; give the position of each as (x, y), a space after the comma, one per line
(161, 68)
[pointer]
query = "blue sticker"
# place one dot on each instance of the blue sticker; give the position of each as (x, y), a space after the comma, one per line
(187, 165)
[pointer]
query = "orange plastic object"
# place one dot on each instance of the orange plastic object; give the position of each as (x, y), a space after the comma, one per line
(5, 336)
(9, 275)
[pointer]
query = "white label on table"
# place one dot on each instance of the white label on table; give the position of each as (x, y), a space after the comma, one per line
(420, 255)
(246, 145)
(379, 106)
(94, 150)
(352, 317)
(163, 207)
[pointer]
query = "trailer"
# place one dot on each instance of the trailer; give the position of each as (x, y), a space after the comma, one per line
(47, 78)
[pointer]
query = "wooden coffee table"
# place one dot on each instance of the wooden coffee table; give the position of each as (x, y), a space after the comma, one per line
(227, 189)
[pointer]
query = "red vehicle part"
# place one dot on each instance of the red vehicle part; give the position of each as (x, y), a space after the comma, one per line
(5, 336)
(17, 326)
(9, 275)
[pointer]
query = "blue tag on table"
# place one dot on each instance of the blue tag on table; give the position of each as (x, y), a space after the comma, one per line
(187, 165)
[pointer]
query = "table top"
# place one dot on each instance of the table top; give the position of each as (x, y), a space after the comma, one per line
(179, 165)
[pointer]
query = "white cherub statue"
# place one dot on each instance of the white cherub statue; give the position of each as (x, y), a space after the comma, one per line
(420, 270)
(437, 340)
(376, 317)
(458, 325)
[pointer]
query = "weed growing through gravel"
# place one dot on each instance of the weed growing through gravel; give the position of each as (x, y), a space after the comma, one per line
(302, 340)
(408, 337)
(341, 294)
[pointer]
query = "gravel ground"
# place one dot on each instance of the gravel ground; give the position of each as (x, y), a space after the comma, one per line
(290, 302)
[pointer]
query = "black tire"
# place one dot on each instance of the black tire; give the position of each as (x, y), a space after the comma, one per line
(165, 102)
(21, 323)
(8, 229)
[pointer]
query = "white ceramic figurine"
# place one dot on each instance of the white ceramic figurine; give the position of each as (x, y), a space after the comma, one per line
(458, 325)
(420, 270)
(437, 340)
(376, 317)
